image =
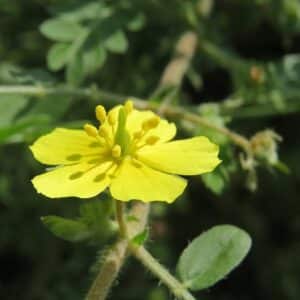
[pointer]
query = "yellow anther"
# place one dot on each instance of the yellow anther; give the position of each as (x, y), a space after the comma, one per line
(128, 106)
(90, 130)
(112, 118)
(103, 132)
(152, 139)
(151, 123)
(100, 113)
(116, 151)
(137, 135)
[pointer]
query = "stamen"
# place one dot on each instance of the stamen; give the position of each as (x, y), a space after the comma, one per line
(128, 106)
(103, 132)
(116, 151)
(90, 130)
(100, 113)
(152, 139)
(151, 123)
(138, 135)
(112, 118)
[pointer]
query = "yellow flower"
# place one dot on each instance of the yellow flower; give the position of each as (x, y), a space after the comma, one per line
(130, 153)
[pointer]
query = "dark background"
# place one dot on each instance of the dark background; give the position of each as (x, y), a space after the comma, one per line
(34, 264)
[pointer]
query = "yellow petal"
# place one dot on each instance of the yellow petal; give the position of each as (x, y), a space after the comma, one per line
(134, 180)
(185, 157)
(65, 146)
(164, 130)
(73, 181)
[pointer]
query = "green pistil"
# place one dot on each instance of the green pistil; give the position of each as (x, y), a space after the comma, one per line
(122, 137)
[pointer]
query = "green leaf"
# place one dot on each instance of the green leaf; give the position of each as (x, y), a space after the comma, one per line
(69, 230)
(141, 237)
(60, 30)
(35, 121)
(212, 255)
(75, 70)
(107, 28)
(82, 10)
(117, 42)
(132, 218)
(282, 167)
(137, 22)
(52, 107)
(214, 181)
(93, 59)
(96, 214)
(58, 56)
(10, 105)
(14, 132)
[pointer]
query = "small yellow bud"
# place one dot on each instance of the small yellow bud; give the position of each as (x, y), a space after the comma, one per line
(152, 139)
(100, 113)
(116, 151)
(90, 130)
(151, 123)
(128, 106)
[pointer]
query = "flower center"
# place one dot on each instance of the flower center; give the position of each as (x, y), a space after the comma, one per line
(114, 135)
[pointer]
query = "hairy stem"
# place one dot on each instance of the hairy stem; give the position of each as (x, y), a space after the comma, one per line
(175, 286)
(108, 272)
(116, 256)
(120, 218)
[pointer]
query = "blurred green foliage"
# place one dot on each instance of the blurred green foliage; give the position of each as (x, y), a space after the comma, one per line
(245, 75)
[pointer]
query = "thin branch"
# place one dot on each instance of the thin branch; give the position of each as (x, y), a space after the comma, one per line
(115, 258)
(176, 69)
(41, 91)
(180, 113)
(120, 218)
(173, 111)
(183, 54)
(96, 94)
(109, 271)
(175, 286)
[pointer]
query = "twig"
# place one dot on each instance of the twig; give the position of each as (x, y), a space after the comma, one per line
(238, 139)
(95, 93)
(115, 258)
(175, 286)
(108, 273)
(175, 70)
(41, 91)
(120, 219)
(183, 54)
